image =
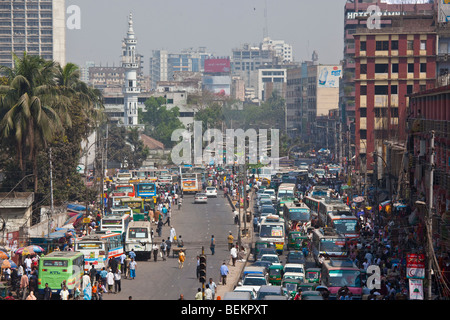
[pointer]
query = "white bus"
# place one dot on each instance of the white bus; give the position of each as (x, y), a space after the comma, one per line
(139, 238)
(272, 230)
(115, 223)
(97, 248)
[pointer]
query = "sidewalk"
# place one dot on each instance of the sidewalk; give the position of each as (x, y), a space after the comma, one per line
(235, 272)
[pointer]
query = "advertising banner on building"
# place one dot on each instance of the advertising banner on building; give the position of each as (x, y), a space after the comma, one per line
(328, 76)
(415, 266)
(444, 10)
(415, 289)
(217, 66)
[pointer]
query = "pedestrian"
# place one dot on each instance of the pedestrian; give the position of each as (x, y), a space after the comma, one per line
(113, 264)
(223, 273)
(169, 213)
(117, 281)
(236, 217)
(181, 258)
(93, 273)
(31, 296)
(103, 275)
(255, 224)
(95, 291)
(181, 297)
(155, 252)
(64, 293)
(172, 234)
(230, 240)
(110, 280)
(132, 268)
(168, 246)
(212, 245)
(159, 227)
(212, 286)
(162, 250)
(199, 295)
(233, 253)
(24, 284)
(132, 254)
(298, 295)
(126, 271)
(123, 256)
(47, 292)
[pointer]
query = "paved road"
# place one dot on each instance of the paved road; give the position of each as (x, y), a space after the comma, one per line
(163, 280)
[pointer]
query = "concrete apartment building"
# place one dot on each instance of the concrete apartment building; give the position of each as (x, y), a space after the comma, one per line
(391, 63)
(35, 26)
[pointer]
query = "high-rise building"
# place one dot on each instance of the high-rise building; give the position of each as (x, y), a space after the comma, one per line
(164, 65)
(282, 49)
(33, 26)
(391, 63)
(356, 15)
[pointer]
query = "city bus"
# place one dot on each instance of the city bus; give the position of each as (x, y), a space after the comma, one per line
(58, 266)
(191, 183)
(328, 243)
(99, 247)
(164, 180)
(328, 205)
(123, 177)
(120, 211)
(337, 273)
(313, 203)
(124, 190)
(146, 190)
(139, 238)
(344, 223)
(115, 223)
(140, 208)
(272, 231)
(286, 194)
(296, 214)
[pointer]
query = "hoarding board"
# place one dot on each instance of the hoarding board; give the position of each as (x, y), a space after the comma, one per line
(328, 76)
(217, 65)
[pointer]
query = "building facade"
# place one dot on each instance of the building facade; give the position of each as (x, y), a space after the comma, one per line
(391, 62)
(37, 27)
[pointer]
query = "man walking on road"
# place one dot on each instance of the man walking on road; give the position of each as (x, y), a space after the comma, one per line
(233, 253)
(212, 245)
(181, 257)
(168, 246)
(230, 241)
(223, 273)
(132, 268)
(162, 248)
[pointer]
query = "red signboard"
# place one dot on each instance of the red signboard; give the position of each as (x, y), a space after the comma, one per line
(414, 260)
(217, 65)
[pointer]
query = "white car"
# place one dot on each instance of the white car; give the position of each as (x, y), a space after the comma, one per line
(254, 282)
(201, 198)
(271, 193)
(211, 192)
(253, 292)
(272, 258)
(295, 268)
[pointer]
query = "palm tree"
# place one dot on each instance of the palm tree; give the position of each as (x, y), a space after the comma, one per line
(30, 102)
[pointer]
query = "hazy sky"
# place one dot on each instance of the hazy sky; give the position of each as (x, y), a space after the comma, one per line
(218, 25)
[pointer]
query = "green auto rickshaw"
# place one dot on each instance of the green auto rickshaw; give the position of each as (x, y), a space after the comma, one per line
(296, 240)
(312, 275)
(289, 287)
(275, 274)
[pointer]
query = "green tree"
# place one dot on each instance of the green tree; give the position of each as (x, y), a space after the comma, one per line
(33, 110)
(159, 121)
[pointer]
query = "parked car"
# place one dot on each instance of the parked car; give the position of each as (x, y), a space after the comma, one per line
(211, 192)
(201, 198)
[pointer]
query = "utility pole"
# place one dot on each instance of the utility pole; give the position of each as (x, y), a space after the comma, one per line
(429, 220)
(51, 190)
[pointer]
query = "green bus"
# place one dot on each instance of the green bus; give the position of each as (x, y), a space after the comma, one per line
(58, 266)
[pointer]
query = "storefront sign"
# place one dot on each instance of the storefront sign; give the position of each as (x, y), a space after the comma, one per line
(415, 266)
(415, 289)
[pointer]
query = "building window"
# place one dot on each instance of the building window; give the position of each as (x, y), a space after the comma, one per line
(410, 45)
(409, 89)
(423, 67)
(363, 112)
(363, 134)
(411, 67)
(363, 69)
(382, 45)
(380, 112)
(395, 68)
(381, 68)
(362, 46)
(394, 89)
(394, 45)
(423, 44)
(381, 90)
(363, 90)
(394, 112)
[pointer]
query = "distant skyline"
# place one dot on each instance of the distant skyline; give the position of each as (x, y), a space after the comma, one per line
(218, 25)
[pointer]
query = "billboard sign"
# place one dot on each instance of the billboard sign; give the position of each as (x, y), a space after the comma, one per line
(328, 76)
(444, 10)
(415, 289)
(217, 65)
(415, 266)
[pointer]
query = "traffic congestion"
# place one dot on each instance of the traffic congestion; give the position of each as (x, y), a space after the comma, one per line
(309, 239)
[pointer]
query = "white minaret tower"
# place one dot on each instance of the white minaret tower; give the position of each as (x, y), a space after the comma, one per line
(131, 66)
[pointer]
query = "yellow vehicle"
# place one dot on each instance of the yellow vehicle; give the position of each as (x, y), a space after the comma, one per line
(272, 231)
